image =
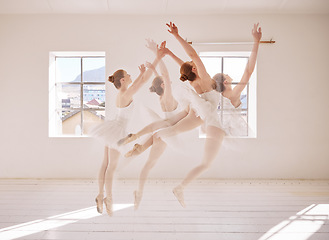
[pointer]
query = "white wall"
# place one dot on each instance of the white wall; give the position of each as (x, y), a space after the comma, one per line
(293, 136)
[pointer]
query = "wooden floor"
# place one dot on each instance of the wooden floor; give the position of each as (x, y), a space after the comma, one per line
(216, 209)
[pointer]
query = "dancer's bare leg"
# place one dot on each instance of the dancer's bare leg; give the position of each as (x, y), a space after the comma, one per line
(138, 149)
(101, 181)
(185, 124)
(157, 150)
(188, 123)
(113, 163)
(213, 143)
(155, 126)
(101, 174)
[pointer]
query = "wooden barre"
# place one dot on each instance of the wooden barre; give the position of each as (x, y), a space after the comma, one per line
(228, 43)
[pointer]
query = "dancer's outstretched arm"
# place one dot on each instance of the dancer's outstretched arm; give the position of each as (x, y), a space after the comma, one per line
(150, 66)
(191, 52)
(168, 97)
(257, 35)
(154, 47)
(139, 82)
(173, 56)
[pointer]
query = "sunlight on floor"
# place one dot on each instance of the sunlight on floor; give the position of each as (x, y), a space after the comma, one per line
(40, 225)
(300, 226)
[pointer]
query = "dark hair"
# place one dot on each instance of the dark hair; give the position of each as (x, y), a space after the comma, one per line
(186, 72)
(156, 85)
(115, 78)
(219, 82)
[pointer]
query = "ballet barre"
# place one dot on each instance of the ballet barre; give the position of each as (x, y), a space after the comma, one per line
(229, 43)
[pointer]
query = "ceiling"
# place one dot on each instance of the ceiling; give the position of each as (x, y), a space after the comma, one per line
(164, 7)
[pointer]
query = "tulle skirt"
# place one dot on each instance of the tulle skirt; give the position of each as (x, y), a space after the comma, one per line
(110, 132)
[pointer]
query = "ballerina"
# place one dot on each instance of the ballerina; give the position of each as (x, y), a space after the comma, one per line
(169, 105)
(161, 85)
(215, 130)
(203, 106)
(111, 131)
(181, 122)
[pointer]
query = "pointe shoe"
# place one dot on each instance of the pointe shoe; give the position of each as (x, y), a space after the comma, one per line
(178, 192)
(137, 149)
(131, 137)
(138, 198)
(99, 203)
(108, 204)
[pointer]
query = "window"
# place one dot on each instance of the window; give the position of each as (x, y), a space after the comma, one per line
(76, 92)
(233, 64)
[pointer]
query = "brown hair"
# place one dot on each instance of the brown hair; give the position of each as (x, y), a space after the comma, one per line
(115, 78)
(156, 85)
(186, 72)
(219, 82)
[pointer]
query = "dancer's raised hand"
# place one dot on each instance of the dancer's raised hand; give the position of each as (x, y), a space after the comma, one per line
(172, 28)
(149, 65)
(161, 51)
(256, 32)
(142, 68)
(151, 45)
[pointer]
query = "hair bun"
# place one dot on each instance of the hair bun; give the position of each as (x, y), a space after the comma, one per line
(183, 77)
(152, 89)
(111, 79)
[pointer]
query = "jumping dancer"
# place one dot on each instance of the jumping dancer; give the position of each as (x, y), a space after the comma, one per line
(111, 131)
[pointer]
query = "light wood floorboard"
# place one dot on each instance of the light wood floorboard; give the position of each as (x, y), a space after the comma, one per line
(216, 209)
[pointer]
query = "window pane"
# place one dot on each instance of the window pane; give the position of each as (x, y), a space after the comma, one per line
(68, 69)
(93, 69)
(91, 118)
(243, 97)
(234, 67)
(213, 65)
(68, 95)
(235, 122)
(71, 122)
(244, 126)
(74, 103)
(233, 64)
(93, 94)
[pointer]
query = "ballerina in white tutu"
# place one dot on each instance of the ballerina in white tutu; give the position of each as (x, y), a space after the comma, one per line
(169, 105)
(203, 107)
(200, 80)
(111, 131)
(161, 85)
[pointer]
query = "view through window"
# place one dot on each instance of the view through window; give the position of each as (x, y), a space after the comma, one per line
(76, 92)
(233, 64)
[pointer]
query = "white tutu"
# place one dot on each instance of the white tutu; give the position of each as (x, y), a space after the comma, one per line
(231, 118)
(204, 105)
(215, 110)
(111, 131)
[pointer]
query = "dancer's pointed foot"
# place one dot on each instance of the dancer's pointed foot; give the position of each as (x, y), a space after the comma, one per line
(99, 203)
(108, 204)
(179, 194)
(137, 149)
(131, 137)
(138, 199)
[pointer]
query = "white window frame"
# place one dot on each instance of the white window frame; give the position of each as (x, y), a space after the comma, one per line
(251, 109)
(54, 121)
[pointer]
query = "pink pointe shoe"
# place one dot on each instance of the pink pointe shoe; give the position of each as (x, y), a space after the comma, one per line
(108, 203)
(137, 149)
(138, 199)
(131, 137)
(99, 203)
(178, 192)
